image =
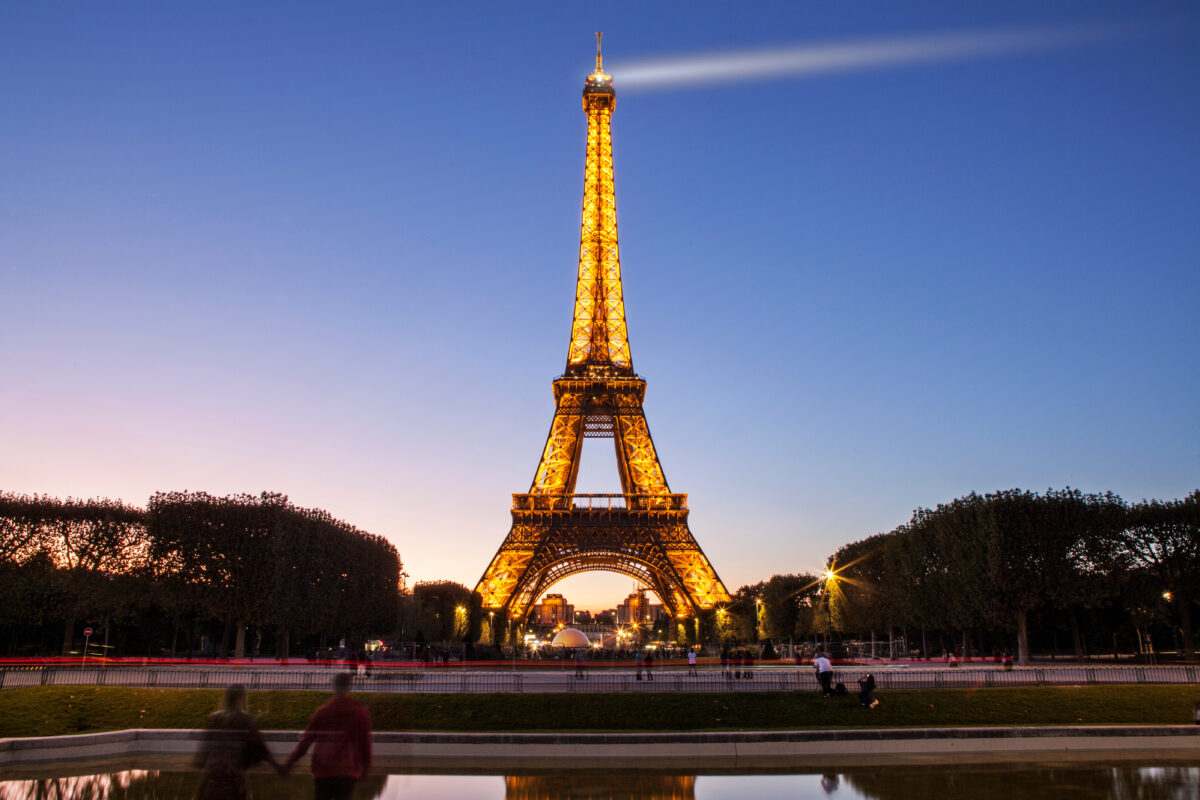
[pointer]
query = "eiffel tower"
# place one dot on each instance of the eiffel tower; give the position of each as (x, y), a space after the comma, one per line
(643, 532)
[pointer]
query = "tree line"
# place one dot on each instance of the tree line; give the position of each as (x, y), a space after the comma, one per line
(993, 567)
(187, 569)
(983, 574)
(245, 574)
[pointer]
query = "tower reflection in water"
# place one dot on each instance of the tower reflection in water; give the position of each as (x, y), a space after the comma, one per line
(147, 784)
(1083, 781)
(599, 787)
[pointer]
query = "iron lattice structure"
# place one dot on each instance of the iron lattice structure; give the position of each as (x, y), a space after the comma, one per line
(642, 532)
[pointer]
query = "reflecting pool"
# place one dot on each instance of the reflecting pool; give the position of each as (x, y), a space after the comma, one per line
(1076, 781)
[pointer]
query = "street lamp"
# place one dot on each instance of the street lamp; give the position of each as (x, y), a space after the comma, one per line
(460, 621)
(830, 577)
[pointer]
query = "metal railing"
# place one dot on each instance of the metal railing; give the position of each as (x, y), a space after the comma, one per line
(770, 679)
(804, 679)
(961, 678)
(663, 681)
(254, 679)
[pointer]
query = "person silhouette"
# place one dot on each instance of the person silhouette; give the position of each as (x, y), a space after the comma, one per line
(232, 744)
(341, 731)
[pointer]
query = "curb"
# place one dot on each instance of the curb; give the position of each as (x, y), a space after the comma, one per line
(415, 752)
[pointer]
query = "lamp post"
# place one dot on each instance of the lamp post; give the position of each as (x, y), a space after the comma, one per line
(87, 635)
(830, 583)
(460, 630)
(758, 609)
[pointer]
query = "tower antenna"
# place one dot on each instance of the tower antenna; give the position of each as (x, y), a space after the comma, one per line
(599, 58)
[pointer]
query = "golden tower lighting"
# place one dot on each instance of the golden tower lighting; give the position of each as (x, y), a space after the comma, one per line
(642, 532)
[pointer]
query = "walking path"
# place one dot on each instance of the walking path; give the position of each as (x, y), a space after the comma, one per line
(596, 678)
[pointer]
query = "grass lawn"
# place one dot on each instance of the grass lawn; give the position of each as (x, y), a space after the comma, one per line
(56, 710)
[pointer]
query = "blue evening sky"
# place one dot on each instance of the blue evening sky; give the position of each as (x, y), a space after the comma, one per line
(329, 250)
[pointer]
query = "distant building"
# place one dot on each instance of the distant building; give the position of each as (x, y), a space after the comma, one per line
(638, 609)
(553, 610)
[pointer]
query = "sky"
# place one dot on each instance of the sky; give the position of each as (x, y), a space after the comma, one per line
(330, 251)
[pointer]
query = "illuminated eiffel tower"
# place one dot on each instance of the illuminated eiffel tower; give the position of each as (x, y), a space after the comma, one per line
(642, 532)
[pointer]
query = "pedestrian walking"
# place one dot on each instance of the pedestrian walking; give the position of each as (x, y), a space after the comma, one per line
(637, 663)
(692, 663)
(340, 734)
(649, 666)
(231, 745)
(579, 664)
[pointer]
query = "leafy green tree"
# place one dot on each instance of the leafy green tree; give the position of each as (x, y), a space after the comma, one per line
(261, 561)
(786, 605)
(736, 623)
(24, 525)
(221, 548)
(862, 585)
(90, 541)
(995, 559)
(1034, 551)
(442, 610)
(1164, 539)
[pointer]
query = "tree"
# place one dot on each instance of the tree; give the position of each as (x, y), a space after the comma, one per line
(90, 542)
(23, 525)
(262, 561)
(994, 559)
(442, 610)
(861, 585)
(1035, 548)
(786, 601)
(1164, 538)
(737, 622)
(220, 547)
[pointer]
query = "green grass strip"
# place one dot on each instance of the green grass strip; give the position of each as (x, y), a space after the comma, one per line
(58, 710)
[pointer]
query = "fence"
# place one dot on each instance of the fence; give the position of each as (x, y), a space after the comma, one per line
(803, 679)
(961, 678)
(253, 679)
(664, 681)
(772, 679)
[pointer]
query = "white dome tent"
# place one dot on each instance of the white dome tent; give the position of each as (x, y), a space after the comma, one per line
(570, 637)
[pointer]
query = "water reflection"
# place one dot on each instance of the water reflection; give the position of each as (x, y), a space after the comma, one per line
(943, 782)
(593, 786)
(163, 785)
(996, 783)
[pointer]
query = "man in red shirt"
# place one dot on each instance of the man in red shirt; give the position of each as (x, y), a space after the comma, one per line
(341, 731)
